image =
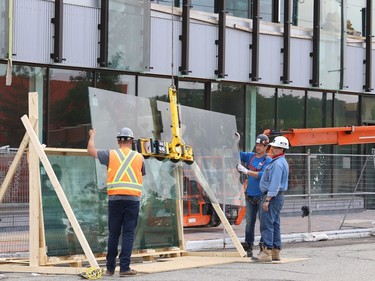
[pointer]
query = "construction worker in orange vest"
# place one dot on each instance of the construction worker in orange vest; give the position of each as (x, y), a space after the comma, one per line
(125, 171)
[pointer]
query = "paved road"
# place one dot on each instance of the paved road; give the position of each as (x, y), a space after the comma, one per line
(333, 260)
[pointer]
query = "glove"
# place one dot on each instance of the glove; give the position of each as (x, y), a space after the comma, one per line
(237, 137)
(241, 169)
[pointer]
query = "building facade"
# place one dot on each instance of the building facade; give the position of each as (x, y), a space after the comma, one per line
(273, 64)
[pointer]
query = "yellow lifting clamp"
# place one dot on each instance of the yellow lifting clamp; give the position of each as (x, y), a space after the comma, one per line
(175, 150)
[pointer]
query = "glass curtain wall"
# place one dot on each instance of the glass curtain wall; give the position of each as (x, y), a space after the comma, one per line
(153, 88)
(191, 94)
(346, 114)
(129, 35)
(354, 17)
(14, 101)
(291, 109)
(319, 115)
(265, 10)
(3, 29)
(265, 105)
(229, 98)
(115, 82)
(303, 13)
(330, 44)
(68, 119)
(368, 110)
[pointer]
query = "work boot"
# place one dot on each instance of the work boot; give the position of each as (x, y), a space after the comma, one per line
(261, 247)
(265, 255)
(276, 254)
(245, 246)
(249, 251)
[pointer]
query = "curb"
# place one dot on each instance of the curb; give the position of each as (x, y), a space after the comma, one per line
(226, 243)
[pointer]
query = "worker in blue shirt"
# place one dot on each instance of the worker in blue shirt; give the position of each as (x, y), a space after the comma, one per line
(273, 184)
(255, 163)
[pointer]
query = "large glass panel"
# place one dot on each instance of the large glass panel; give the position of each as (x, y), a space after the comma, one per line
(88, 203)
(116, 82)
(129, 35)
(3, 29)
(68, 108)
(191, 94)
(330, 44)
(206, 131)
(14, 101)
(302, 14)
(354, 17)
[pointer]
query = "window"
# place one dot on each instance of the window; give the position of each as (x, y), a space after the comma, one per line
(68, 108)
(14, 101)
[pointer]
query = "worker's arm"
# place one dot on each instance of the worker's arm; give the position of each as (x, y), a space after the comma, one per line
(91, 150)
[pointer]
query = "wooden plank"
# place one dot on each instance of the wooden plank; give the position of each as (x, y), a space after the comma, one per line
(213, 254)
(218, 209)
(60, 193)
(186, 262)
(179, 206)
(41, 269)
(34, 188)
(65, 151)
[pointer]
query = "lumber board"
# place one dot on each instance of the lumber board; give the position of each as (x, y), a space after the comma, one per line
(41, 269)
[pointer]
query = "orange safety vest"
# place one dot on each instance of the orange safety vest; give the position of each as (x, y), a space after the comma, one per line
(124, 172)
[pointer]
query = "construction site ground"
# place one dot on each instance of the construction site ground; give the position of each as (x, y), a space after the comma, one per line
(327, 253)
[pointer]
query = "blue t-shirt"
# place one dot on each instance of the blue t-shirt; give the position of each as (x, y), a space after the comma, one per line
(255, 164)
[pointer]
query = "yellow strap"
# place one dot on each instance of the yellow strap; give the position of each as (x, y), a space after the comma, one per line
(92, 273)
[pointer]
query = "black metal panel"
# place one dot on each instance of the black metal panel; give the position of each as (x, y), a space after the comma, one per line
(316, 48)
(220, 72)
(286, 49)
(276, 10)
(368, 62)
(103, 27)
(58, 36)
(254, 75)
(184, 68)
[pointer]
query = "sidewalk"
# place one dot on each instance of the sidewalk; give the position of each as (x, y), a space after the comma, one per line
(293, 229)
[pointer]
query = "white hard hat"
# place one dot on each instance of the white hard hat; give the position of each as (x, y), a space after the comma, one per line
(281, 142)
(125, 133)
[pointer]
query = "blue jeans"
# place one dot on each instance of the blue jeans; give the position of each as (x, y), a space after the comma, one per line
(270, 222)
(251, 217)
(122, 218)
